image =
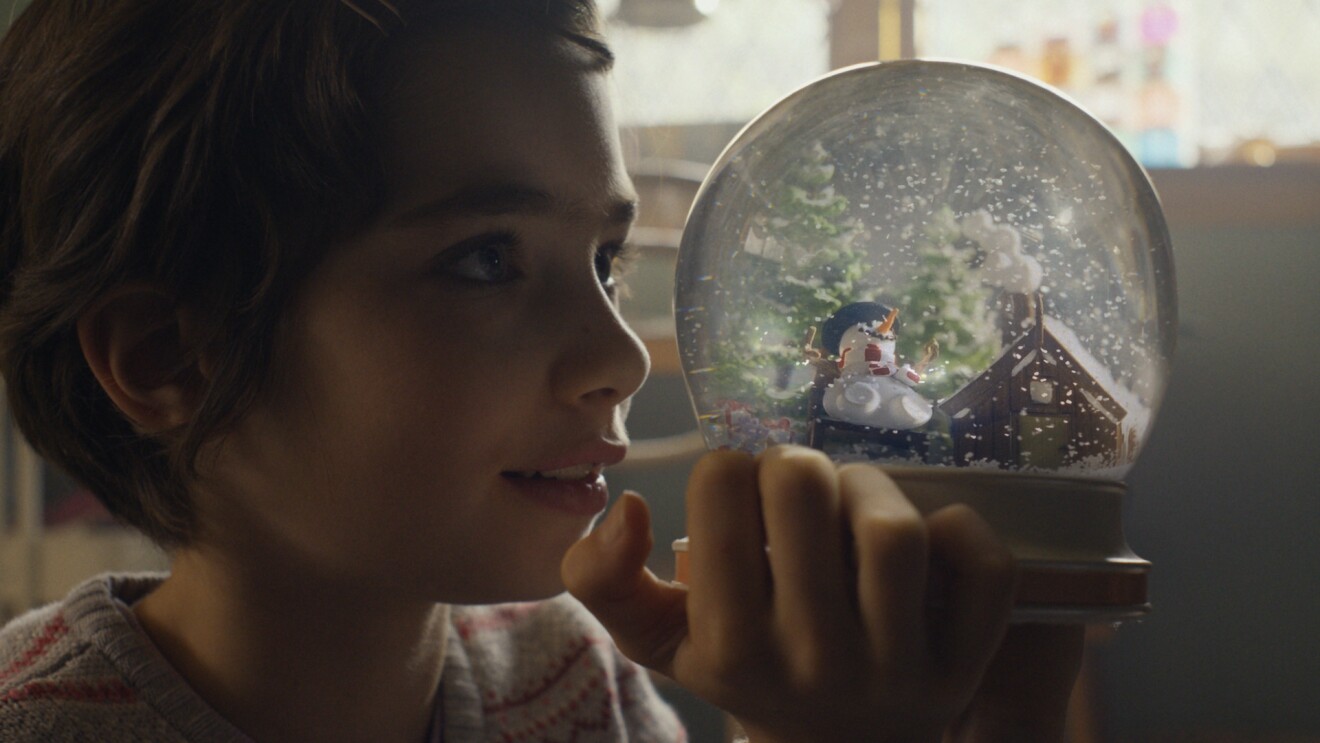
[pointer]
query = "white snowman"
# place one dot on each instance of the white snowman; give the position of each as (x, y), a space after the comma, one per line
(872, 389)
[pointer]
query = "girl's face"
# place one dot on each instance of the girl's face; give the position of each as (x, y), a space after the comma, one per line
(468, 340)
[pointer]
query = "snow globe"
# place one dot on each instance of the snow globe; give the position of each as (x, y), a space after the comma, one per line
(958, 274)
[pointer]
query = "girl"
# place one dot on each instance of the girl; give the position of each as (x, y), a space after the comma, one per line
(320, 295)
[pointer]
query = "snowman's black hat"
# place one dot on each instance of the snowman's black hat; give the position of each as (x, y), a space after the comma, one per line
(831, 334)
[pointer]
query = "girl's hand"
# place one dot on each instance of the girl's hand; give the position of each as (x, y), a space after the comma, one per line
(822, 606)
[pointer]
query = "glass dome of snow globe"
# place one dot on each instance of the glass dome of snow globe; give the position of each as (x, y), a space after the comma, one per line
(956, 273)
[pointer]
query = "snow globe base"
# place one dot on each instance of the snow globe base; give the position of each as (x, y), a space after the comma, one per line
(1074, 564)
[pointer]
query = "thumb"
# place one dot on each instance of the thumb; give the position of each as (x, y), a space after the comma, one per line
(606, 571)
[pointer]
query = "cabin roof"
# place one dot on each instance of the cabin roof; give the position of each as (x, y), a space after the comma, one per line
(1029, 345)
(1137, 413)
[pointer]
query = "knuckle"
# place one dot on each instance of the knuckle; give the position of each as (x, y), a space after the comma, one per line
(992, 558)
(728, 665)
(892, 534)
(995, 567)
(816, 665)
(721, 465)
(791, 461)
(998, 559)
(724, 639)
(781, 452)
(866, 472)
(796, 477)
(867, 488)
(718, 474)
(960, 523)
(794, 495)
(957, 516)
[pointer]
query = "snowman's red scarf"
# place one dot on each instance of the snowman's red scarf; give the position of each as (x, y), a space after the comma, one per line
(875, 361)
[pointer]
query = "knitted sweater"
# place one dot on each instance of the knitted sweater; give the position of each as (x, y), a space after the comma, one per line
(545, 672)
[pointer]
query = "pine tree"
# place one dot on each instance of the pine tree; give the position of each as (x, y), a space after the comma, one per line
(797, 267)
(946, 302)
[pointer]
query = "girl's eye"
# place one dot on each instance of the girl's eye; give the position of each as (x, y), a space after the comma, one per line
(611, 262)
(485, 259)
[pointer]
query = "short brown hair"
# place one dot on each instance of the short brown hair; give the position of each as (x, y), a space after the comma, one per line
(210, 147)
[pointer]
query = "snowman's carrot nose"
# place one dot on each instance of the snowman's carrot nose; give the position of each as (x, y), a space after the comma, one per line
(888, 324)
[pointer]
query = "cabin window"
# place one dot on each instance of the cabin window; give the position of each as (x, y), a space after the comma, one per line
(1042, 391)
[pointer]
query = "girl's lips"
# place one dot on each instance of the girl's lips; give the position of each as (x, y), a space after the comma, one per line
(600, 452)
(570, 482)
(586, 496)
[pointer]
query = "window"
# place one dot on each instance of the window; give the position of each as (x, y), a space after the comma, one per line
(1042, 391)
(729, 67)
(1182, 82)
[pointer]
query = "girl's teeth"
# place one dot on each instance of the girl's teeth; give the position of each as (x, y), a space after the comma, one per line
(580, 472)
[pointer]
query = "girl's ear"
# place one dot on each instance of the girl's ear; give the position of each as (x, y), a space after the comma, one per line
(134, 340)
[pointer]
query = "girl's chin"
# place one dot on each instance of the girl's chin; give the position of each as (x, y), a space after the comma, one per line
(518, 591)
(532, 575)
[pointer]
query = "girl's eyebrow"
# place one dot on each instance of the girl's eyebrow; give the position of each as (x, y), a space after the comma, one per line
(495, 199)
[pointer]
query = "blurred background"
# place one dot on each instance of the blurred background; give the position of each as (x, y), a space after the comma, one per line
(1220, 100)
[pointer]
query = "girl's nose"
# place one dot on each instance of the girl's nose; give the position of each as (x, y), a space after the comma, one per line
(604, 362)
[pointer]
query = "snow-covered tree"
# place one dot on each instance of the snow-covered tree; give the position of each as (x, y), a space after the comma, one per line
(797, 267)
(947, 301)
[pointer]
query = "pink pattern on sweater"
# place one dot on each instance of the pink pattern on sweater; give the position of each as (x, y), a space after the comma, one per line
(574, 653)
(106, 691)
(503, 617)
(49, 635)
(581, 690)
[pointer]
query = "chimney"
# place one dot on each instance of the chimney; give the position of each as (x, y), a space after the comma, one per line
(1018, 314)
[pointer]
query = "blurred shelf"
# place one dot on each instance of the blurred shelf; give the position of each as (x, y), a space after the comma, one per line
(68, 555)
(1282, 195)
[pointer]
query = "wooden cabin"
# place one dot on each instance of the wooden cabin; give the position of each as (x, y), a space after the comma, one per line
(1046, 403)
